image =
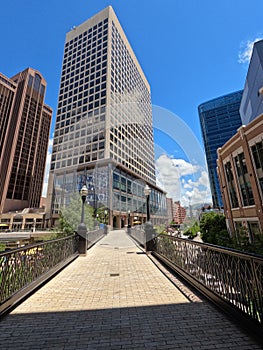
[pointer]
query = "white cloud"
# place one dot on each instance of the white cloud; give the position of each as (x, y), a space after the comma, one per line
(196, 196)
(246, 49)
(48, 161)
(173, 176)
(202, 181)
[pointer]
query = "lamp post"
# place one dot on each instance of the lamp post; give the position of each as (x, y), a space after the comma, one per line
(129, 222)
(147, 192)
(94, 202)
(82, 229)
(149, 230)
(105, 225)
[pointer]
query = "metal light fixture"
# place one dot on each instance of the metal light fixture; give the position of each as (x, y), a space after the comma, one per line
(129, 222)
(147, 192)
(82, 229)
(129, 219)
(83, 193)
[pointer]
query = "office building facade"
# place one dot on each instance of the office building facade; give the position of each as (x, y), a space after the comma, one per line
(240, 170)
(24, 135)
(252, 100)
(103, 134)
(219, 120)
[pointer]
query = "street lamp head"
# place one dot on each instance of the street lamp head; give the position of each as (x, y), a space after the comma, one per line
(84, 191)
(147, 190)
(105, 212)
(129, 212)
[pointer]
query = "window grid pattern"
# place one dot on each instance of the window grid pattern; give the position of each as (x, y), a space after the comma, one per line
(27, 173)
(80, 126)
(131, 136)
(219, 120)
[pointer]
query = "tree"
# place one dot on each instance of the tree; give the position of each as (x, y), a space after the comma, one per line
(102, 214)
(213, 229)
(192, 231)
(70, 216)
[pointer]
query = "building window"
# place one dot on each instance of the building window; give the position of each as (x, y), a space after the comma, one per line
(116, 181)
(231, 185)
(254, 231)
(257, 152)
(243, 180)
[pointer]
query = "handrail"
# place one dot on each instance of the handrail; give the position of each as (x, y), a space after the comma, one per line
(231, 276)
(94, 236)
(25, 268)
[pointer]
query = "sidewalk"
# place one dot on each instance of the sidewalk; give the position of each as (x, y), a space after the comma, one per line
(116, 298)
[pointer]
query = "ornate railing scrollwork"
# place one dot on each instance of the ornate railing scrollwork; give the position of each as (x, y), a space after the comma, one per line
(234, 276)
(20, 268)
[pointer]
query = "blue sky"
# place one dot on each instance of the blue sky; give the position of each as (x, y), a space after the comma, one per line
(191, 51)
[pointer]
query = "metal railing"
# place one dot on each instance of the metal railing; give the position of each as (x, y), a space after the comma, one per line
(24, 269)
(94, 236)
(234, 277)
(138, 233)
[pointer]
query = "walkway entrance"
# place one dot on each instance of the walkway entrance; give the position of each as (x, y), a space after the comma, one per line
(115, 297)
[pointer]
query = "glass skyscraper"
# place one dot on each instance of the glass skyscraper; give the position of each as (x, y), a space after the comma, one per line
(103, 133)
(252, 100)
(219, 119)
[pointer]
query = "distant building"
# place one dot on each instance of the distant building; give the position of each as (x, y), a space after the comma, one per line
(103, 134)
(219, 119)
(252, 99)
(240, 169)
(24, 135)
(23, 220)
(179, 213)
(170, 211)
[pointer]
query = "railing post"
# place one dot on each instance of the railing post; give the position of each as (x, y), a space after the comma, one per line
(105, 229)
(82, 241)
(150, 234)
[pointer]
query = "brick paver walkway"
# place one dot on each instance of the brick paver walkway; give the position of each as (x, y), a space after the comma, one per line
(116, 298)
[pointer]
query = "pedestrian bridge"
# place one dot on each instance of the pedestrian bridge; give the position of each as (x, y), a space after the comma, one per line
(117, 296)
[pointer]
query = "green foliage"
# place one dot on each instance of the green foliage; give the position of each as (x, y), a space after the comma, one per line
(2, 247)
(70, 216)
(173, 223)
(192, 231)
(160, 229)
(257, 246)
(101, 216)
(213, 229)
(241, 241)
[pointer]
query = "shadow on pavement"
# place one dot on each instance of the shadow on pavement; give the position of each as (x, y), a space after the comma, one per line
(175, 326)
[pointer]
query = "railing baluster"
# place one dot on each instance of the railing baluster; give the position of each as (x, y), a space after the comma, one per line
(20, 267)
(234, 276)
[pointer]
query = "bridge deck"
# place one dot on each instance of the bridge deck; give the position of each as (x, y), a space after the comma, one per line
(116, 298)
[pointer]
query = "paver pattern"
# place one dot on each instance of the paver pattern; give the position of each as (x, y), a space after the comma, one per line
(116, 298)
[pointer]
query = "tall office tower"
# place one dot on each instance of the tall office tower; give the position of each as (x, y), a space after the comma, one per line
(219, 119)
(103, 134)
(252, 100)
(24, 136)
